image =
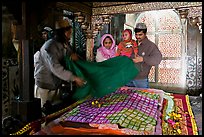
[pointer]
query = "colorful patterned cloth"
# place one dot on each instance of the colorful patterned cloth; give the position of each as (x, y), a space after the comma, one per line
(128, 108)
(129, 111)
(179, 106)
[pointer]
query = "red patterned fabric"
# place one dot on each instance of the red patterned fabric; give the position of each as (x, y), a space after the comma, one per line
(187, 123)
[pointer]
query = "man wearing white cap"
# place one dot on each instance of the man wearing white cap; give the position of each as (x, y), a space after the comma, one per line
(50, 70)
(148, 56)
(47, 33)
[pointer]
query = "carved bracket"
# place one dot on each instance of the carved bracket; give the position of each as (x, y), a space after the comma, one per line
(91, 29)
(193, 14)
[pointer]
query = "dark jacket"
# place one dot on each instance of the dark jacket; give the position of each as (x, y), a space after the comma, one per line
(151, 57)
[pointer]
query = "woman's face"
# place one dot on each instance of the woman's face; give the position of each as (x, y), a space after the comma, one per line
(107, 43)
(126, 35)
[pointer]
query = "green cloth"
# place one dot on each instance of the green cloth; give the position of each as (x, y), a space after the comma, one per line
(102, 77)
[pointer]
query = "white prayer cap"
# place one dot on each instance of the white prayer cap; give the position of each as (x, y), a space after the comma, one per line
(47, 29)
(141, 26)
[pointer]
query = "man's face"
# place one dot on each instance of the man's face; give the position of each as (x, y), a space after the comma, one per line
(44, 35)
(68, 34)
(140, 36)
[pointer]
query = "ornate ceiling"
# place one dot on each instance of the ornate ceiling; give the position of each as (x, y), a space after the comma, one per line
(104, 4)
(132, 7)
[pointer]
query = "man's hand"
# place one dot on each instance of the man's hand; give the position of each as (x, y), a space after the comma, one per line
(79, 81)
(74, 57)
(138, 59)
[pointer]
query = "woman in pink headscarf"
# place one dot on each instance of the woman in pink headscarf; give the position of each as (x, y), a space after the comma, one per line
(107, 49)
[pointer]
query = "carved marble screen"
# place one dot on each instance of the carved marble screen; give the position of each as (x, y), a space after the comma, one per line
(163, 28)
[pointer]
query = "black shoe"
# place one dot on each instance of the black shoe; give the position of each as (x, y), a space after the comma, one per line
(47, 108)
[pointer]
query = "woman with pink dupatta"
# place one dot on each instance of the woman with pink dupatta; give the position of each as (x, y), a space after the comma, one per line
(107, 49)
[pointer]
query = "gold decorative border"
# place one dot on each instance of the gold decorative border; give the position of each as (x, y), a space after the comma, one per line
(131, 8)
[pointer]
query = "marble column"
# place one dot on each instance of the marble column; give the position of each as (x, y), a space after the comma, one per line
(89, 45)
(90, 35)
(184, 21)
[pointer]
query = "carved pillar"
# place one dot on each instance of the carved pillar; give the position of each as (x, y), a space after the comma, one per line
(89, 45)
(194, 79)
(184, 21)
(26, 107)
(191, 65)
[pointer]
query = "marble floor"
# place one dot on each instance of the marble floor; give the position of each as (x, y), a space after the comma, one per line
(196, 105)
